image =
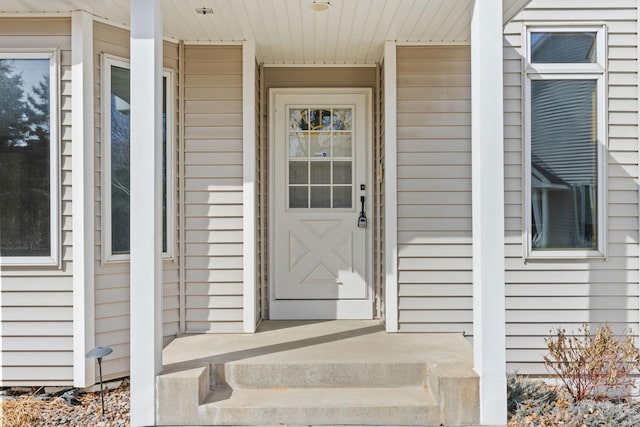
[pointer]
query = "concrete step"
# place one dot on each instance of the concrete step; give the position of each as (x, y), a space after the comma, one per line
(449, 398)
(251, 374)
(318, 373)
(411, 406)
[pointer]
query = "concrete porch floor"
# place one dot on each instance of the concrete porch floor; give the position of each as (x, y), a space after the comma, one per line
(347, 372)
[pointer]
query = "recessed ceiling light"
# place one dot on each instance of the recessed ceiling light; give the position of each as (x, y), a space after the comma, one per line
(204, 11)
(320, 6)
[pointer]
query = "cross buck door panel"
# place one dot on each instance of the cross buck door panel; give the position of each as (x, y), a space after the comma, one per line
(320, 186)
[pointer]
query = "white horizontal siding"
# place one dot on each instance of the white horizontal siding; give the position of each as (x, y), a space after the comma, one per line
(542, 295)
(112, 279)
(213, 188)
(434, 189)
(37, 303)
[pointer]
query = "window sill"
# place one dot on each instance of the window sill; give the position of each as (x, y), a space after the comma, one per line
(564, 255)
(119, 259)
(36, 261)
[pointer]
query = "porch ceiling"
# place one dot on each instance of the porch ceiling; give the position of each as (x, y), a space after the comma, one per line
(288, 31)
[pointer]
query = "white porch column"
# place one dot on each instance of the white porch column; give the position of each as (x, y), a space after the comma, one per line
(390, 187)
(146, 207)
(488, 210)
(249, 185)
(84, 372)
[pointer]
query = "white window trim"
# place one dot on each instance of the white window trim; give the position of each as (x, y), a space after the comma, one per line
(107, 61)
(53, 55)
(597, 72)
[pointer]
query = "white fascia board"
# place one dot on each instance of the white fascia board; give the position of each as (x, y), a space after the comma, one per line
(488, 209)
(146, 208)
(82, 172)
(390, 188)
(249, 185)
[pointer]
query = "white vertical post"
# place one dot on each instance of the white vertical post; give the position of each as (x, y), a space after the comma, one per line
(146, 207)
(488, 209)
(82, 192)
(249, 184)
(390, 188)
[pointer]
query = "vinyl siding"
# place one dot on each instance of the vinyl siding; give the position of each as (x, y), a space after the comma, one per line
(112, 279)
(213, 188)
(306, 77)
(37, 303)
(434, 189)
(542, 295)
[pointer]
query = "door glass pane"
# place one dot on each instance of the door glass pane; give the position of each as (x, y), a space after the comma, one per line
(342, 145)
(298, 119)
(298, 197)
(342, 172)
(320, 172)
(316, 136)
(321, 144)
(320, 120)
(298, 144)
(298, 173)
(563, 48)
(321, 197)
(342, 197)
(341, 119)
(564, 164)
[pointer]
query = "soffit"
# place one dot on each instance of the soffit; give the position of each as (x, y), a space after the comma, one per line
(288, 31)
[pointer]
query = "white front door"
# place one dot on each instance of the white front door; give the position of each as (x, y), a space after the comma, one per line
(320, 183)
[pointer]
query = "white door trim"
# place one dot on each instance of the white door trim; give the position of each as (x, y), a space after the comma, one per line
(342, 309)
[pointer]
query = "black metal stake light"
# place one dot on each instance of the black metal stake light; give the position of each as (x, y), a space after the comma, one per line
(99, 353)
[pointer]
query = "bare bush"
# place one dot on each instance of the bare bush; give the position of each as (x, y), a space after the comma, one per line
(593, 366)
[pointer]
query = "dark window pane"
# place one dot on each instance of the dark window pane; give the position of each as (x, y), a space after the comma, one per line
(298, 197)
(342, 197)
(564, 164)
(342, 172)
(120, 162)
(563, 48)
(298, 172)
(321, 197)
(164, 165)
(320, 172)
(25, 186)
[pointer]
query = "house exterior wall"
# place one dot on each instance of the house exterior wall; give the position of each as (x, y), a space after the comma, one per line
(213, 188)
(37, 302)
(541, 295)
(434, 189)
(112, 279)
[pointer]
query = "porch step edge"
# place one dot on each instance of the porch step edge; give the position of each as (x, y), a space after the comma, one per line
(318, 375)
(409, 406)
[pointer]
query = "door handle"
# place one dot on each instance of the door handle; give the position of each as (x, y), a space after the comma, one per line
(362, 218)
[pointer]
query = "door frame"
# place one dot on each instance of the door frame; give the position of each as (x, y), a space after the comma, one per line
(314, 309)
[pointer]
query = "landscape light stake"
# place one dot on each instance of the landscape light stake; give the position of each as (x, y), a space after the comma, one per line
(99, 353)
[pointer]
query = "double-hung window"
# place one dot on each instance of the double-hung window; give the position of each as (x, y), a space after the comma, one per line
(565, 140)
(116, 166)
(29, 158)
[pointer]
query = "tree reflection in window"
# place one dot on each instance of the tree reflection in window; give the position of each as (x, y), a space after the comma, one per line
(25, 186)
